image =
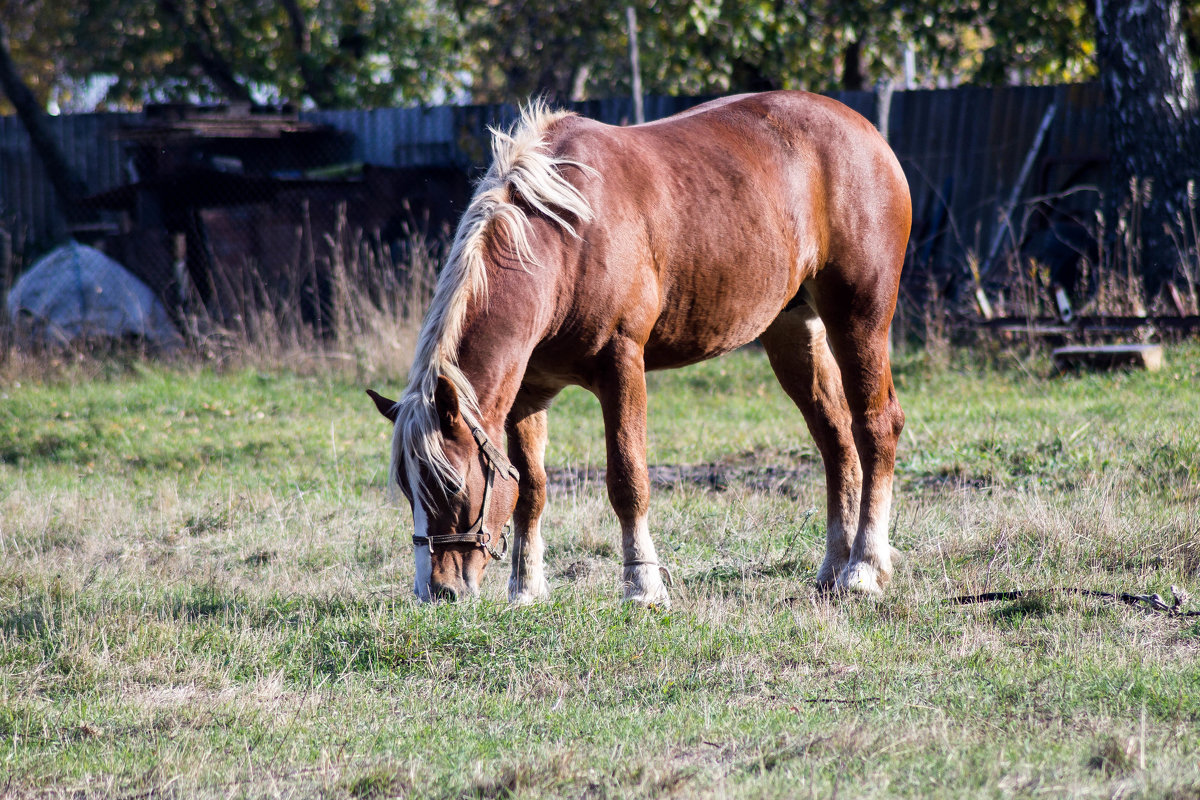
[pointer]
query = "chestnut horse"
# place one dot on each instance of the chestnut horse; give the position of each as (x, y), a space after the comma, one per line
(590, 254)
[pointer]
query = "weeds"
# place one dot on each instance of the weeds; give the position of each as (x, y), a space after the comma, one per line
(1060, 247)
(203, 617)
(351, 306)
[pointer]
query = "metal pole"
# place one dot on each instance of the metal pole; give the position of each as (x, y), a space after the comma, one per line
(1014, 197)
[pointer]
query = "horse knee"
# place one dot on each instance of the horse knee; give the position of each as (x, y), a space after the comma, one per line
(894, 412)
(531, 497)
(878, 427)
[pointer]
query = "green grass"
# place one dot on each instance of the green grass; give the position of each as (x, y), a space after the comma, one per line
(204, 591)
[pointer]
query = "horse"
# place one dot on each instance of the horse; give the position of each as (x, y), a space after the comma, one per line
(592, 253)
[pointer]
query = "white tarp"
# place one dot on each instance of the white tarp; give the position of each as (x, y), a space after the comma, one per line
(77, 292)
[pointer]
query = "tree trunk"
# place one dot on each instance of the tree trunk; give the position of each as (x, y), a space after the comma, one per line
(1150, 94)
(316, 80)
(68, 185)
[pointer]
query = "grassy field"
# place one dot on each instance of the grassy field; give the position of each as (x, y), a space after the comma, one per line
(205, 592)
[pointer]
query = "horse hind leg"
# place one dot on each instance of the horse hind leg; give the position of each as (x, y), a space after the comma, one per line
(857, 315)
(799, 353)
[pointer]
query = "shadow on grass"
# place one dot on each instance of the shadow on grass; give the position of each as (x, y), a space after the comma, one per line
(1015, 613)
(25, 623)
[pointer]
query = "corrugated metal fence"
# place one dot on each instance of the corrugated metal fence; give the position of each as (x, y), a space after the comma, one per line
(962, 150)
(28, 206)
(457, 135)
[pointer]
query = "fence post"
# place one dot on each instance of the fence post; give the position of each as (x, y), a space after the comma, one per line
(985, 271)
(639, 115)
(883, 112)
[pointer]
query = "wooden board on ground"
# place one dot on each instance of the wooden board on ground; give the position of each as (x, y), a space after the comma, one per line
(1109, 356)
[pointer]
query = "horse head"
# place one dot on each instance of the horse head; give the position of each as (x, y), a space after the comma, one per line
(459, 525)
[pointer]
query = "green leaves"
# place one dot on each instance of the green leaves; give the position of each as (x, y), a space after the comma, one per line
(355, 53)
(344, 53)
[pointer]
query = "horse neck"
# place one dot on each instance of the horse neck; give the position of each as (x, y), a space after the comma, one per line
(498, 337)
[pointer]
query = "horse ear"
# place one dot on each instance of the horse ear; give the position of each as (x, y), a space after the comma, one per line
(445, 397)
(386, 407)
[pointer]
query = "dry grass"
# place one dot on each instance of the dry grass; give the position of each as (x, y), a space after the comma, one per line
(352, 308)
(204, 592)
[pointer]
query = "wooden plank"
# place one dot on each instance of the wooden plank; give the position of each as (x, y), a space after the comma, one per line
(1109, 356)
(1081, 325)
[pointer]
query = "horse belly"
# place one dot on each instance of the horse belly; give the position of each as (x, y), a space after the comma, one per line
(714, 311)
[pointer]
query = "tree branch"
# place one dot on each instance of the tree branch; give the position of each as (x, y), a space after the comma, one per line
(201, 50)
(316, 81)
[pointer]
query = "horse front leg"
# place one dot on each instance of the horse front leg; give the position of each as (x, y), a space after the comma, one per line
(527, 435)
(621, 390)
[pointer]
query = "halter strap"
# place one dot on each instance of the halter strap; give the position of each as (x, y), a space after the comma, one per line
(495, 459)
(496, 463)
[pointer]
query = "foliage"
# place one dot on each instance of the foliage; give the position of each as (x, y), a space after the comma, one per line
(1037, 42)
(33, 28)
(345, 53)
(572, 50)
(331, 54)
(557, 48)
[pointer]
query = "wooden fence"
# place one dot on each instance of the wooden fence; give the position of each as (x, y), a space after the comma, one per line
(962, 150)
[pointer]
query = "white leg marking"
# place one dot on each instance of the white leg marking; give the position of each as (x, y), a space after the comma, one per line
(843, 525)
(527, 583)
(870, 564)
(424, 566)
(642, 581)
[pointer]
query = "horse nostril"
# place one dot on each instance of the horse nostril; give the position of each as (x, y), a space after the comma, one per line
(441, 591)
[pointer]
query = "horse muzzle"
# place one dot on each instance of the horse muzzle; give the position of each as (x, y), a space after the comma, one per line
(452, 590)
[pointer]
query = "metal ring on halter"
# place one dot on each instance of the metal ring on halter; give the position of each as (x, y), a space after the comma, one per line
(504, 539)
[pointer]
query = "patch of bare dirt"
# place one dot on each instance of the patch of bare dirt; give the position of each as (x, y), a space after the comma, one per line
(751, 471)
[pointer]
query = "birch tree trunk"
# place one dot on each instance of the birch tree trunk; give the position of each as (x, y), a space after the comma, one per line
(1150, 93)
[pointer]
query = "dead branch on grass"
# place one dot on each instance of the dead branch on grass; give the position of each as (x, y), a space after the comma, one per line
(1151, 602)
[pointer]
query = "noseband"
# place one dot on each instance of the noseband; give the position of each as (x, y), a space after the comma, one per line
(496, 463)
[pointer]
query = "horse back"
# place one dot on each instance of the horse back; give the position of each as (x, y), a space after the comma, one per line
(707, 223)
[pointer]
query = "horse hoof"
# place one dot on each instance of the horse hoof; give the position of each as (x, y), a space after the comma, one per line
(828, 573)
(532, 592)
(644, 586)
(861, 578)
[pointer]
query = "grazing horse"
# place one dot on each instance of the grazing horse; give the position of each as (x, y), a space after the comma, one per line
(590, 254)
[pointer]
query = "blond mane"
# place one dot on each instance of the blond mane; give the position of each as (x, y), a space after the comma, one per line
(520, 168)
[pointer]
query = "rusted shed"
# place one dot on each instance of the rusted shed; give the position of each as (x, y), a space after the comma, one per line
(233, 205)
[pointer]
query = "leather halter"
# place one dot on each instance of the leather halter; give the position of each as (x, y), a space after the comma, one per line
(495, 462)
